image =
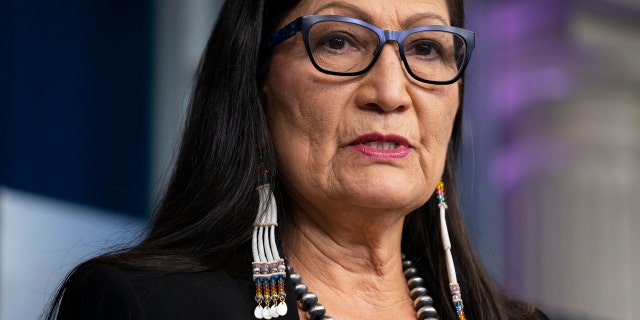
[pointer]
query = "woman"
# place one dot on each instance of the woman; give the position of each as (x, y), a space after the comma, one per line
(363, 125)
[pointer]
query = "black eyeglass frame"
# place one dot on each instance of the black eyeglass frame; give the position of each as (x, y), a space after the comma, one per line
(304, 24)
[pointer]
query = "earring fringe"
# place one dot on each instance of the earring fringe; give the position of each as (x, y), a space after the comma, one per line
(268, 267)
(456, 295)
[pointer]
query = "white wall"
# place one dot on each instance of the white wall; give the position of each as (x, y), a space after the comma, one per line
(41, 239)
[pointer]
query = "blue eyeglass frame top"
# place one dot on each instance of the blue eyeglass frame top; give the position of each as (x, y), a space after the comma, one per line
(304, 23)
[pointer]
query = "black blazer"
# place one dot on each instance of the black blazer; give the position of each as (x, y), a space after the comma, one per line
(100, 291)
(105, 292)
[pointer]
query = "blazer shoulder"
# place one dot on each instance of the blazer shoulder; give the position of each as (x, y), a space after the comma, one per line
(98, 289)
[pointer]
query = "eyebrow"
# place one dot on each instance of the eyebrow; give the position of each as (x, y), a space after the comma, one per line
(358, 13)
(364, 16)
(411, 21)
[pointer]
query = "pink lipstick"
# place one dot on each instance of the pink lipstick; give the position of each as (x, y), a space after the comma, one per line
(379, 146)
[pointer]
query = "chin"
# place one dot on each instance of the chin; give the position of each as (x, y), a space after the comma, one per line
(393, 198)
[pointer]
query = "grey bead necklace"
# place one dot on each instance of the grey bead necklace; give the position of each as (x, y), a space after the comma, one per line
(422, 302)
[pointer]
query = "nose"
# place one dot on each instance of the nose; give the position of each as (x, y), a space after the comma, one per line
(384, 87)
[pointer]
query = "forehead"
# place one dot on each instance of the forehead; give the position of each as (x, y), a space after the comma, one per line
(388, 14)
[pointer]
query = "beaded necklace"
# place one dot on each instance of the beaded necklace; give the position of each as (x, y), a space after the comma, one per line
(422, 302)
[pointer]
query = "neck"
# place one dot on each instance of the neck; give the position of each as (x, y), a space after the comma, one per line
(357, 260)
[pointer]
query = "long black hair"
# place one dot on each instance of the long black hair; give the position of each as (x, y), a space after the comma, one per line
(204, 221)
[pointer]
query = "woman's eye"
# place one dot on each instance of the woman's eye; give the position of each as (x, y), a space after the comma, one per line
(424, 49)
(428, 49)
(336, 43)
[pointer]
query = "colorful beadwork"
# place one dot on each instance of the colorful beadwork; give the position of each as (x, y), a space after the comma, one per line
(440, 193)
(281, 293)
(269, 280)
(259, 296)
(457, 300)
(274, 293)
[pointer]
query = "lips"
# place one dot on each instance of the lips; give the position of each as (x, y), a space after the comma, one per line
(379, 146)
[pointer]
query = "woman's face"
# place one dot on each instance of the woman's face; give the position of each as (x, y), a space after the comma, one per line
(372, 141)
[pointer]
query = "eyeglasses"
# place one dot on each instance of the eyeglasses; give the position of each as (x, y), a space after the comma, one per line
(346, 46)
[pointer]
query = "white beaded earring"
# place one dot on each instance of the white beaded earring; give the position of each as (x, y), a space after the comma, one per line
(456, 295)
(268, 267)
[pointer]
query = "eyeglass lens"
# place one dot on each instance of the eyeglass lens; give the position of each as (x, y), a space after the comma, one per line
(344, 47)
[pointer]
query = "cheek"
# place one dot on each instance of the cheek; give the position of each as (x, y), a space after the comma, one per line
(299, 119)
(282, 94)
(436, 123)
(303, 105)
(436, 120)
(303, 118)
(451, 111)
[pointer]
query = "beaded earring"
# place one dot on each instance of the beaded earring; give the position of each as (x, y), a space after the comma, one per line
(268, 267)
(456, 295)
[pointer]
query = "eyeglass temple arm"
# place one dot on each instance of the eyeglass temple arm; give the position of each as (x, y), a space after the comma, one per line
(283, 34)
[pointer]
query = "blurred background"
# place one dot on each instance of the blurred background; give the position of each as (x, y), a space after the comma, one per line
(93, 94)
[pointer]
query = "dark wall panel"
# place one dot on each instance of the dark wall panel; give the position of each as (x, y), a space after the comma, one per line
(75, 100)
